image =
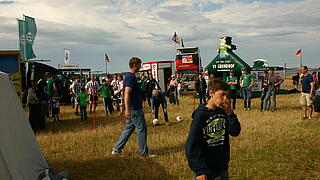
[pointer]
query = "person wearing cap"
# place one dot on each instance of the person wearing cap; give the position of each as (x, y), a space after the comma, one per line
(158, 98)
(173, 91)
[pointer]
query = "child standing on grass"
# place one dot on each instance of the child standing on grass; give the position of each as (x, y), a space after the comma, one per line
(82, 100)
(207, 147)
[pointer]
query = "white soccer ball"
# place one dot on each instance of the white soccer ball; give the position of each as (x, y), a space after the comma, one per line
(155, 122)
(179, 118)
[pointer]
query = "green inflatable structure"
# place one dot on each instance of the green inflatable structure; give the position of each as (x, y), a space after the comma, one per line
(226, 60)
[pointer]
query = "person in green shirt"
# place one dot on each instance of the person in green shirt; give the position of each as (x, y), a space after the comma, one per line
(232, 81)
(104, 89)
(82, 100)
(52, 90)
(246, 83)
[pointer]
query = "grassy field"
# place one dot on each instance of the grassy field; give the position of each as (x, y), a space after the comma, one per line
(272, 145)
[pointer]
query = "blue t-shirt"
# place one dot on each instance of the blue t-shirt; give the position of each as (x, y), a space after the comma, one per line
(305, 81)
(130, 80)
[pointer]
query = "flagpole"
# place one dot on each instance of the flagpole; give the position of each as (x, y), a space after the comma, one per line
(106, 67)
(301, 60)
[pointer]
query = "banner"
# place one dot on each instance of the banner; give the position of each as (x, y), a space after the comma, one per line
(66, 57)
(27, 35)
(187, 59)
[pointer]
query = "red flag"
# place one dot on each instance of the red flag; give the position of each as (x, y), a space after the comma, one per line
(299, 53)
(107, 58)
(175, 38)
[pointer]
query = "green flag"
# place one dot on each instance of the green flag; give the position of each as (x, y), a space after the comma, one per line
(22, 38)
(27, 35)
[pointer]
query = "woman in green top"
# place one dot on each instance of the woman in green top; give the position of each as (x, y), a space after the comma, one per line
(246, 83)
(106, 95)
(232, 82)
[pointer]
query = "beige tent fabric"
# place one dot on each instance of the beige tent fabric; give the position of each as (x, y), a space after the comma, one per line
(20, 154)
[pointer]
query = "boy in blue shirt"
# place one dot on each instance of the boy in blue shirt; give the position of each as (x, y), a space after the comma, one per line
(158, 98)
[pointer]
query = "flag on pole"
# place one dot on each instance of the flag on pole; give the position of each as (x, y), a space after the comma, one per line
(31, 32)
(182, 42)
(22, 38)
(66, 56)
(107, 58)
(299, 53)
(175, 38)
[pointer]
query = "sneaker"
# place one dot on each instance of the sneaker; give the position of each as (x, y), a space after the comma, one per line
(115, 152)
(149, 156)
(309, 118)
(245, 109)
(248, 109)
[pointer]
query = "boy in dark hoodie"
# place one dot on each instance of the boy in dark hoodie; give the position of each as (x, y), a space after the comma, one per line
(207, 147)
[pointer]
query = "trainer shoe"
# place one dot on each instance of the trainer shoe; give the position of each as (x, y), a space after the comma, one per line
(149, 156)
(115, 153)
(309, 118)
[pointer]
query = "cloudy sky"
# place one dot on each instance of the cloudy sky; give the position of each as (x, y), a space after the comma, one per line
(269, 29)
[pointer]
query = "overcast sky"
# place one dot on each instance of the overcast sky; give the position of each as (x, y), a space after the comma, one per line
(268, 29)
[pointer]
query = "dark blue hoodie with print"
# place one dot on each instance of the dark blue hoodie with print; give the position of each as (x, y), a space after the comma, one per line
(207, 147)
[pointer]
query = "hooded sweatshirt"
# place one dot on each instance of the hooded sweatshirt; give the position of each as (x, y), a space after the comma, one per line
(207, 147)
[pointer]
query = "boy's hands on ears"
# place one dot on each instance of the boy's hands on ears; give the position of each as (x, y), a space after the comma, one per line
(202, 177)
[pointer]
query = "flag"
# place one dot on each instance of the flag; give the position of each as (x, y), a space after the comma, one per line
(27, 35)
(182, 42)
(299, 53)
(22, 38)
(66, 56)
(175, 38)
(107, 58)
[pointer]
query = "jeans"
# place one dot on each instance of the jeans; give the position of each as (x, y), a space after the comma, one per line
(156, 111)
(266, 104)
(263, 97)
(136, 121)
(202, 97)
(107, 102)
(83, 112)
(224, 175)
(246, 92)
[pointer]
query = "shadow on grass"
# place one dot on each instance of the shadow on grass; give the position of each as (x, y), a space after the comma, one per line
(74, 123)
(115, 168)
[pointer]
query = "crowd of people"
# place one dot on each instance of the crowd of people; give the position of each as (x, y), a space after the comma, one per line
(207, 147)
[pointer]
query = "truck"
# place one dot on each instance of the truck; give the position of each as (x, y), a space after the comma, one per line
(188, 66)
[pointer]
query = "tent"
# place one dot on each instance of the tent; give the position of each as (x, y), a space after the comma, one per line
(220, 66)
(20, 154)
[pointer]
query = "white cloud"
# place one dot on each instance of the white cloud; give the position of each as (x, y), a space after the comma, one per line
(144, 28)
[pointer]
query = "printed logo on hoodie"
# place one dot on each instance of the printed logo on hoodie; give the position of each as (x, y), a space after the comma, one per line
(214, 132)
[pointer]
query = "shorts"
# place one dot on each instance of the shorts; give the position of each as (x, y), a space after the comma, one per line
(120, 101)
(305, 100)
(91, 99)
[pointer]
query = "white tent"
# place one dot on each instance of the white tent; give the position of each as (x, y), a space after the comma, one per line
(20, 154)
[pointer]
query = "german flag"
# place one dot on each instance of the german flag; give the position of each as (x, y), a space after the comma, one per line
(107, 58)
(299, 53)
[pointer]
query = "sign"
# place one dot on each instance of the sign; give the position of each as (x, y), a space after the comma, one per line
(154, 70)
(68, 66)
(66, 56)
(223, 65)
(146, 67)
(187, 59)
